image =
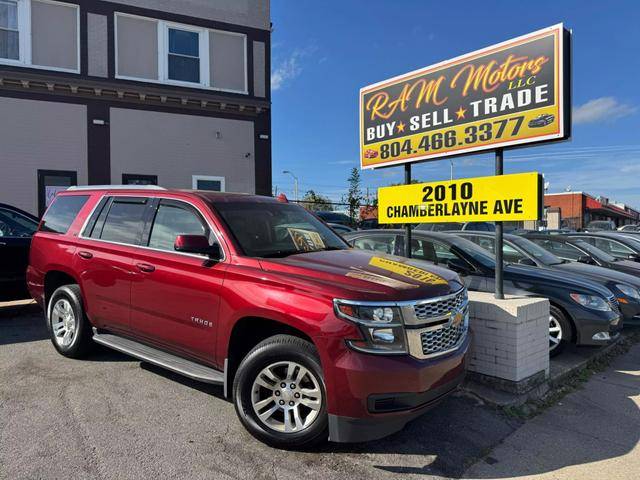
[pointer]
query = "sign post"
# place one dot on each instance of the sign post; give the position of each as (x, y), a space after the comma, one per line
(407, 227)
(499, 289)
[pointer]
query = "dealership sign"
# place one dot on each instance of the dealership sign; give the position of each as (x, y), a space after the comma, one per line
(513, 93)
(483, 199)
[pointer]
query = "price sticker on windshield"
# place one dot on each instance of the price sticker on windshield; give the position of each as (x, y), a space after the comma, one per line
(514, 197)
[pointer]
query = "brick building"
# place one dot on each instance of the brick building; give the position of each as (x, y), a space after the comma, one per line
(577, 209)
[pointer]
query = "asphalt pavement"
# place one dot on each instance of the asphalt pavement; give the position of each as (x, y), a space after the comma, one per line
(111, 416)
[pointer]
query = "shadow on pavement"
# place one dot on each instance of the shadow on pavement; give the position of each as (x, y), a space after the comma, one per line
(21, 323)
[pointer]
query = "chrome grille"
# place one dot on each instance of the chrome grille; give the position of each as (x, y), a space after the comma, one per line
(614, 304)
(443, 339)
(428, 310)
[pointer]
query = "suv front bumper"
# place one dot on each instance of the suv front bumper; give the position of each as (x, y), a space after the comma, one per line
(372, 396)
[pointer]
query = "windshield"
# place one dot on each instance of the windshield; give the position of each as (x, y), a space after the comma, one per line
(476, 252)
(537, 251)
(276, 229)
(594, 252)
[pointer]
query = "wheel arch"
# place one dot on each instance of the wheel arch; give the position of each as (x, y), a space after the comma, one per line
(569, 317)
(246, 333)
(54, 279)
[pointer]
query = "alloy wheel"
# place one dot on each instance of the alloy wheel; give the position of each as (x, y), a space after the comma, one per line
(286, 397)
(555, 333)
(63, 322)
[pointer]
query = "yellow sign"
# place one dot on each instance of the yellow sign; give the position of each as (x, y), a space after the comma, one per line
(512, 93)
(484, 199)
(408, 271)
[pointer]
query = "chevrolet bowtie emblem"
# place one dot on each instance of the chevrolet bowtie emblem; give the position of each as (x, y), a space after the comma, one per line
(456, 318)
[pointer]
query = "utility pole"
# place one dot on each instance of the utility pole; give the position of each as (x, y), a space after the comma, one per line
(295, 184)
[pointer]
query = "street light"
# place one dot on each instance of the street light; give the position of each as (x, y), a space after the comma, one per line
(295, 184)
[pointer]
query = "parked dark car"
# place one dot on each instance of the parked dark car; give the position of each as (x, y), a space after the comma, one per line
(582, 311)
(629, 228)
(335, 217)
(517, 249)
(576, 249)
(446, 226)
(338, 228)
(600, 225)
(622, 245)
(542, 120)
(16, 229)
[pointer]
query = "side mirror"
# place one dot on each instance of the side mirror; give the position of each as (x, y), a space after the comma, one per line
(459, 266)
(634, 257)
(527, 261)
(198, 244)
(585, 259)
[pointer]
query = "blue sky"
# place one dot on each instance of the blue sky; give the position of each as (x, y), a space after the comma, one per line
(324, 51)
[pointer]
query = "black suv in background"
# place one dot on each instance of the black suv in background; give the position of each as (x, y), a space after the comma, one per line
(582, 311)
(16, 229)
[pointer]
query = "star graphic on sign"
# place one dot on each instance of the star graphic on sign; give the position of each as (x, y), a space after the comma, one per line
(400, 127)
(460, 113)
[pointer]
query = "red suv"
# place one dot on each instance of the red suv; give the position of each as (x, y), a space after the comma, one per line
(313, 340)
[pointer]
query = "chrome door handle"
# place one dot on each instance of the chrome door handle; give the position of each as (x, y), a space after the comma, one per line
(84, 254)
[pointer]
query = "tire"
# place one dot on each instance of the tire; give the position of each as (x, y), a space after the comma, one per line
(560, 331)
(258, 392)
(67, 323)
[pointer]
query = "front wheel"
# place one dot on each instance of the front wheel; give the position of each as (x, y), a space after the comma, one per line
(560, 331)
(279, 393)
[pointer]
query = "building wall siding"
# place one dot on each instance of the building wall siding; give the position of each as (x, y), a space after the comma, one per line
(259, 69)
(97, 51)
(176, 146)
(249, 13)
(39, 135)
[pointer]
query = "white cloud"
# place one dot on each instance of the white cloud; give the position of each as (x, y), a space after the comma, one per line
(603, 108)
(289, 68)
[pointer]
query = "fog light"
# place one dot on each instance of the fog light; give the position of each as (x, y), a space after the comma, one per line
(601, 336)
(382, 335)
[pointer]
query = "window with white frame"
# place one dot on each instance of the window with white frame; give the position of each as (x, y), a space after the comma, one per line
(208, 182)
(183, 55)
(27, 39)
(179, 54)
(9, 32)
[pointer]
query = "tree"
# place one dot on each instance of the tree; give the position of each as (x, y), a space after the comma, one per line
(354, 195)
(316, 202)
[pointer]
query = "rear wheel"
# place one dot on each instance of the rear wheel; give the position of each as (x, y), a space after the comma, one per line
(68, 326)
(279, 393)
(560, 332)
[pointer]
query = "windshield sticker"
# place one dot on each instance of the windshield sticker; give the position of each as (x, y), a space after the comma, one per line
(306, 240)
(408, 271)
(380, 279)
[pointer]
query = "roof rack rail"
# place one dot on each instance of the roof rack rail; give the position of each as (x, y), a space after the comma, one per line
(115, 187)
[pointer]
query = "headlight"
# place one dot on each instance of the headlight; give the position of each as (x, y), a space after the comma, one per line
(381, 327)
(629, 291)
(591, 301)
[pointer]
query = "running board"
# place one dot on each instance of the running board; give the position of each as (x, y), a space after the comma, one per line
(160, 358)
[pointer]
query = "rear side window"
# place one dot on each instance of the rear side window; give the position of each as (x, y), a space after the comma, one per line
(62, 212)
(124, 221)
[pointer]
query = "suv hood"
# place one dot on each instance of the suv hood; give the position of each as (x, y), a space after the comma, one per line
(364, 275)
